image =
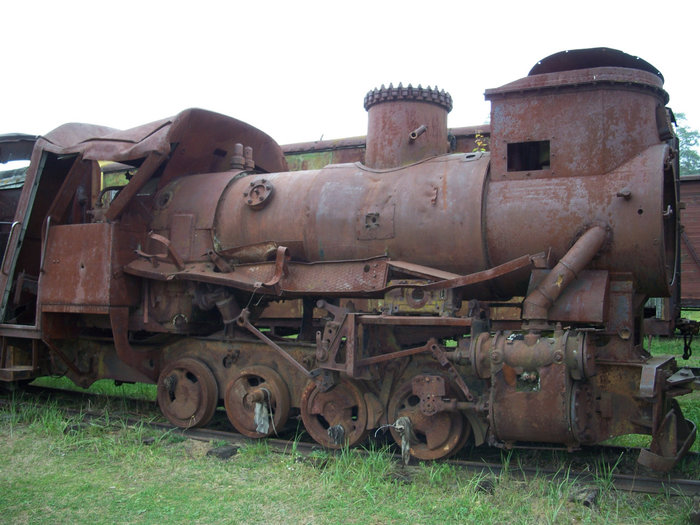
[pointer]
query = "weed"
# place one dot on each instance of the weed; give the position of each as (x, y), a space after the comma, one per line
(439, 472)
(604, 474)
(255, 450)
(505, 459)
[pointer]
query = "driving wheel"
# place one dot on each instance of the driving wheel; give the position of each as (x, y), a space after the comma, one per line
(336, 417)
(187, 393)
(436, 436)
(262, 386)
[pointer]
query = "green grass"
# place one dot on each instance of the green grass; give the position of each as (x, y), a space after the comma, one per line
(674, 347)
(57, 469)
(104, 386)
(61, 469)
(691, 314)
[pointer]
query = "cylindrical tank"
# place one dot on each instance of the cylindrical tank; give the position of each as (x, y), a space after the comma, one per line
(405, 125)
(429, 213)
(467, 212)
(445, 213)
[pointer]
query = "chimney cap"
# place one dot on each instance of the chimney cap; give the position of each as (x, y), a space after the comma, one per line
(408, 94)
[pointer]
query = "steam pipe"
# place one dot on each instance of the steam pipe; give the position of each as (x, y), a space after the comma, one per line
(417, 132)
(537, 303)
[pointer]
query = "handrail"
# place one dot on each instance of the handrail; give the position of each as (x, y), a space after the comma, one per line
(46, 240)
(7, 246)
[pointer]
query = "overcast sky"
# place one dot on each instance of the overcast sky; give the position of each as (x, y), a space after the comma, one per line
(299, 70)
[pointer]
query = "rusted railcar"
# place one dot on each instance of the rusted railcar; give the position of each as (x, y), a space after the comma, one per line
(398, 262)
(690, 242)
(320, 153)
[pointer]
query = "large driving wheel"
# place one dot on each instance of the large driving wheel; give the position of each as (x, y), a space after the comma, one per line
(187, 393)
(257, 385)
(337, 417)
(436, 436)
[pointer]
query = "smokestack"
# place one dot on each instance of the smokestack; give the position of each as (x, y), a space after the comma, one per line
(406, 125)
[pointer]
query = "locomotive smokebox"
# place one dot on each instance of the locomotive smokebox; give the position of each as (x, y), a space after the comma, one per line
(591, 120)
(406, 125)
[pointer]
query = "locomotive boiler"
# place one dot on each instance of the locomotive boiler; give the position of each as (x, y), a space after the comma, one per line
(448, 295)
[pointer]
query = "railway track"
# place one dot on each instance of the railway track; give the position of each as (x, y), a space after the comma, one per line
(587, 467)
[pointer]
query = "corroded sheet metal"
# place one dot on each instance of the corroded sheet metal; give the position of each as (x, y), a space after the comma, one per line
(406, 125)
(81, 268)
(16, 146)
(334, 278)
(584, 300)
(204, 142)
(553, 212)
(317, 214)
(690, 242)
(538, 410)
(574, 110)
(315, 155)
(211, 228)
(587, 58)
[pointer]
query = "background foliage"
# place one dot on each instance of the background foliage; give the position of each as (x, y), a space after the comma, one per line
(689, 139)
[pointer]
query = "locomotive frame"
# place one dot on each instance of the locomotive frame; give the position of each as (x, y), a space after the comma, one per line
(516, 318)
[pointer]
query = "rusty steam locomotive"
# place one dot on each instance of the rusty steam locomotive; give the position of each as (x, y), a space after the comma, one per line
(494, 296)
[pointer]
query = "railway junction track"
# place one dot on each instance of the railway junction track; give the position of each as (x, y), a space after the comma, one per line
(614, 464)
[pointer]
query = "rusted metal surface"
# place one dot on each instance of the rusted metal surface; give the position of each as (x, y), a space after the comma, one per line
(13, 147)
(584, 300)
(379, 215)
(539, 209)
(16, 146)
(690, 242)
(397, 260)
(315, 155)
(186, 130)
(628, 97)
(82, 266)
(670, 442)
(516, 398)
(244, 321)
(335, 278)
(586, 58)
(436, 435)
(337, 417)
(406, 125)
(187, 393)
(261, 390)
(538, 302)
